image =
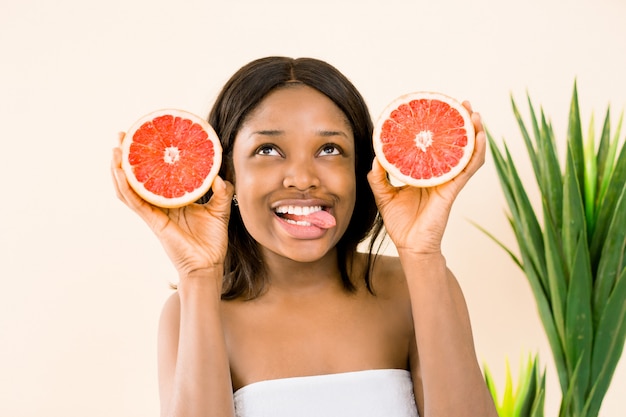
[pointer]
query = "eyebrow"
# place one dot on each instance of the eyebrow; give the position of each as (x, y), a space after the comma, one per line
(324, 133)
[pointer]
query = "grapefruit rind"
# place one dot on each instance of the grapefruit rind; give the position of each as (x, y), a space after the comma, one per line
(440, 178)
(189, 196)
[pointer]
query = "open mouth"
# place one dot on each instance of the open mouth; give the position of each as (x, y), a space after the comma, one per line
(306, 216)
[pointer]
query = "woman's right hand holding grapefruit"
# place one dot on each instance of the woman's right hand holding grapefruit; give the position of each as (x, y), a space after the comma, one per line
(195, 236)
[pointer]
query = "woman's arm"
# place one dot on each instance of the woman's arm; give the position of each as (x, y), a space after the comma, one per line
(415, 219)
(194, 374)
(451, 381)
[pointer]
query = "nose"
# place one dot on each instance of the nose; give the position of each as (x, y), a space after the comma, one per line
(301, 174)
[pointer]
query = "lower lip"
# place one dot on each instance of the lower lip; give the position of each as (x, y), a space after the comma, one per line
(301, 232)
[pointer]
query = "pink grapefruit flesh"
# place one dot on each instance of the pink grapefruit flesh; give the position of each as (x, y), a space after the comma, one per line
(171, 157)
(424, 139)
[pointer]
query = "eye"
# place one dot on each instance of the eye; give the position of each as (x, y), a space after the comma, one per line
(330, 149)
(267, 150)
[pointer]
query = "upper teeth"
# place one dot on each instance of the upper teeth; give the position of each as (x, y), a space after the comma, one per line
(298, 210)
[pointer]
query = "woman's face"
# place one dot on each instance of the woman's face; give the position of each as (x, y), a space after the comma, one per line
(294, 162)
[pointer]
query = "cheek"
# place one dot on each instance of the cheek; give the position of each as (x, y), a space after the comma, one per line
(345, 186)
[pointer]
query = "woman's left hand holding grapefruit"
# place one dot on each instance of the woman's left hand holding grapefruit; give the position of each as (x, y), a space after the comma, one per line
(415, 218)
(195, 236)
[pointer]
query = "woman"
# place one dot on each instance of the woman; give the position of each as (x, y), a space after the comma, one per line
(276, 313)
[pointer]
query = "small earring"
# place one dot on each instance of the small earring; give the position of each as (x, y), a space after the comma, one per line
(235, 201)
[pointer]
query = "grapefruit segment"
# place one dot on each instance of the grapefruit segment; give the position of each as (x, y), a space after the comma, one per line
(424, 139)
(171, 157)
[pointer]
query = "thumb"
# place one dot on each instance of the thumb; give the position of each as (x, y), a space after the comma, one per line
(378, 180)
(222, 195)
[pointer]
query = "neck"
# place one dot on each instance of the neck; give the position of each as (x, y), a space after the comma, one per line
(289, 276)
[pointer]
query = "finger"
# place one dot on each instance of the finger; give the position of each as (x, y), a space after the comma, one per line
(379, 182)
(223, 192)
(468, 106)
(477, 122)
(120, 137)
(480, 145)
(478, 156)
(123, 189)
(377, 177)
(116, 176)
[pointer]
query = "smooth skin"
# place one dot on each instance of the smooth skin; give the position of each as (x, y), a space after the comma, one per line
(297, 148)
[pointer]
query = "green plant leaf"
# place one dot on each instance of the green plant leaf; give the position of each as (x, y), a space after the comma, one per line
(575, 140)
(576, 265)
(608, 345)
(530, 237)
(497, 241)
(528, 231)
(544, 160)
(574, 220)
(532, 151)
(578, 322)
(527, 387)
(591, 177)
(547, 320)
(508, 179)
(612, 259)
(551, 176)
(569, 399)
(491, 385)
(538, 405)
(556, 277)
(608, 206)
(524, 400)
(606, 155)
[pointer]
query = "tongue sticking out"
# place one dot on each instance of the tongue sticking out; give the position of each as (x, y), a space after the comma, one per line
(321, 219)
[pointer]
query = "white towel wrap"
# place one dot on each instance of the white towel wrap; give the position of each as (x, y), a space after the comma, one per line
(371, 393)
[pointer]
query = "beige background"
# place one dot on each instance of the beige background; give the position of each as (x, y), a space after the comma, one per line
(83, 280)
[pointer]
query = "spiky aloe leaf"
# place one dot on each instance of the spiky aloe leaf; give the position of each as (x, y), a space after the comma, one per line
(575, 139)
(493, 390)
(578, 324)
(608, 206)
(509, 179)
(524, 400)
(608, 345)
(590, 177)
(574, 220)
(530, 147)
(556, 275)
(538, 405)
(576, 265)
(568, 402)
(528, 388)
(606, 155)
(578, 315)
(530, 236)
(612, 260)
(499, 242)
(543, 156)
(552, 190)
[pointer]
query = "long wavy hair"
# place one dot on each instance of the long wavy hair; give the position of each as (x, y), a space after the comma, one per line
(244, 272)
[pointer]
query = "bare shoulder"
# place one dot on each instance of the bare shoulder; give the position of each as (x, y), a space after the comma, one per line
(388, 276)
(170, 313)
(169, 327)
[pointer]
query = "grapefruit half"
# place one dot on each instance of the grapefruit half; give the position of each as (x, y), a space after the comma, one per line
(171, 157)
(424, 139)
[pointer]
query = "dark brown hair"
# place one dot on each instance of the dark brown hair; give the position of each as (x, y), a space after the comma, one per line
(245, 275)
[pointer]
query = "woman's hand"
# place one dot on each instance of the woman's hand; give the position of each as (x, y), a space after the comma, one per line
(415, 218)
(195, 237)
